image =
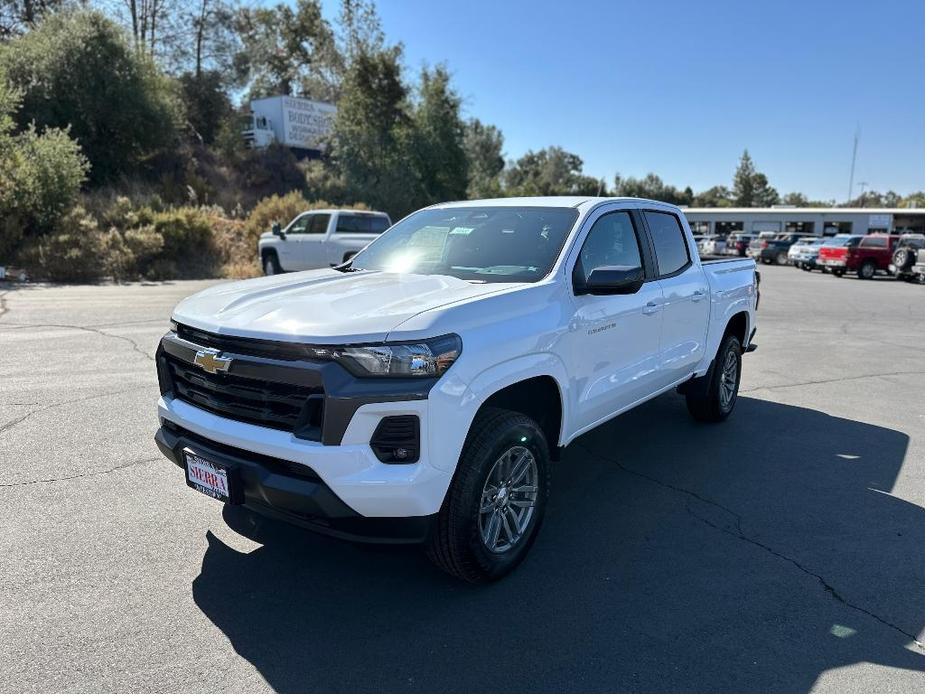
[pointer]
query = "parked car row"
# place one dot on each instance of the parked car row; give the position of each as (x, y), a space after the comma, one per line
(901, 256)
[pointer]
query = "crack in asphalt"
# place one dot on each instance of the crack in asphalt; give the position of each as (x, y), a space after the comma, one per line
(739, 534)
(9, 425)
(135, 346)
(831, 380)
(93, 473)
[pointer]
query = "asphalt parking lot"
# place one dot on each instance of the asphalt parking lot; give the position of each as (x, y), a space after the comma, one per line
(778, 552)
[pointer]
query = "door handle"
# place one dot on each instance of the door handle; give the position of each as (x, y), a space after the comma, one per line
(651, 308)
(698, 295)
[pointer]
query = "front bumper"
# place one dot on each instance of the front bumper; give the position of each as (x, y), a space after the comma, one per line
(291, 492)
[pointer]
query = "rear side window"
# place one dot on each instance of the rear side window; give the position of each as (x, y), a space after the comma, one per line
(874, 242)
(361, 224)
(670, 245)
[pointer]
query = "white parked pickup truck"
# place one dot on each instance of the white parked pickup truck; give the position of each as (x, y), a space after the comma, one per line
(319, 238)
(420, 392)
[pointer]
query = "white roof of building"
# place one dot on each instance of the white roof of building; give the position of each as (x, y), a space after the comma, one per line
(804, 210)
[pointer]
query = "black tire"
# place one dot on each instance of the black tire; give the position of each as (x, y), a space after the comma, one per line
(271, 264)
(456, 543)
(868, 270)
(704, 400)
(838, 273)
(781, 258)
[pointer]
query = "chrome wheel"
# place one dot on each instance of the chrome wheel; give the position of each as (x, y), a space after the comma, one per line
(728, 380)
(508, 499)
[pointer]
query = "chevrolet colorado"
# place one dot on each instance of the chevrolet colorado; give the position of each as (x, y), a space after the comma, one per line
(419, 392)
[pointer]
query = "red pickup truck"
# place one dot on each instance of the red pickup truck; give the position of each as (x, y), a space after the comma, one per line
(865, 255)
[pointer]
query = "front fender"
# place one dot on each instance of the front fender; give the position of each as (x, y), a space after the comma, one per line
(452, 409)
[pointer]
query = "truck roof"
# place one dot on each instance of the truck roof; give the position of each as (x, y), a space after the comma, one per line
(332, 210)
(547, 201)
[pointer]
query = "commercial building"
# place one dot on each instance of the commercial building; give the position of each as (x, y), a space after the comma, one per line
(812, 221)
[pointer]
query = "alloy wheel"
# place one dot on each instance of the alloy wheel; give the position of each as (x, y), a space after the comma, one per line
(508, 499)
(728, 380)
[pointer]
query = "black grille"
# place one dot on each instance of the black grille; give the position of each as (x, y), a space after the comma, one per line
(271, 349)
(395, 435)
(293, 408)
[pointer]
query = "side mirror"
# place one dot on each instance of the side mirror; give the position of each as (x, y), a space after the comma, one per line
(278, 231)
(613, 279)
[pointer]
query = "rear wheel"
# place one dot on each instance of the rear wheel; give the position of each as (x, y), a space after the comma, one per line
(496, 502)
(715, 401)
(867, 270)
(781, 259)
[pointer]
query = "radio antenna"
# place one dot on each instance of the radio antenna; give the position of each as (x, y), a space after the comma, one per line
(854, 156)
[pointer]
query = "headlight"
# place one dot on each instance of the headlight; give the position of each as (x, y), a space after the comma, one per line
(425, 358)
(173, 325)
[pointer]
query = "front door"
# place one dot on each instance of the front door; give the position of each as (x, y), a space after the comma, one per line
(614, 339)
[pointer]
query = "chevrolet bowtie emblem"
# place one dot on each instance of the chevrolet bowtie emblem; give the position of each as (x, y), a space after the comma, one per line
(210, 360)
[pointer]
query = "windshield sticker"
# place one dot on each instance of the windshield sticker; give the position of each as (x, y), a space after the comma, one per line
(462, 231)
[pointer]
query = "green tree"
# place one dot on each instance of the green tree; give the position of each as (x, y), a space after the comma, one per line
(800, 200)
(653, 188)
(18, 16)
(872, 198)
(76, 70)
(484, 146)
(750, 188)
(40, 174)
(440, 161)
(286, 50)
(550, 171)
(207, 104)
(373, 134)
(717, 196)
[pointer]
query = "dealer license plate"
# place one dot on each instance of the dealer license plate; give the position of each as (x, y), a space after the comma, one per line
(207, 477)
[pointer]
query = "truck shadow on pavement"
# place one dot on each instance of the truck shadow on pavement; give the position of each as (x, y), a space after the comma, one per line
(755, 555)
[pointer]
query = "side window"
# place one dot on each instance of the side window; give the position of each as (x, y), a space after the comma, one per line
(352, 223)
(319, 223)
(670, 245)
(611, 241)
(874, 242)
(300, 225)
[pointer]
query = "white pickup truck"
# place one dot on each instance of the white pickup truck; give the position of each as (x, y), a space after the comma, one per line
(319, 238)
(420, 392)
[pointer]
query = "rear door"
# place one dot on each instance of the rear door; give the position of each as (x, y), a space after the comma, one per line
(686, 308)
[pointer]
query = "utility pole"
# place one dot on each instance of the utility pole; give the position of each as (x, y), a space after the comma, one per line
(854, 156)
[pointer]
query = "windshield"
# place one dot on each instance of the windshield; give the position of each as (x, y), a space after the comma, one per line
(486, 244)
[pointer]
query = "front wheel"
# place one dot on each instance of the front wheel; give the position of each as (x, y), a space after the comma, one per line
(715, 401)
(271, 264)
(867, 270)
(496, 502)
(781, 259)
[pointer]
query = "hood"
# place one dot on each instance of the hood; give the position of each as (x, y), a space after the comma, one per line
(323, 306)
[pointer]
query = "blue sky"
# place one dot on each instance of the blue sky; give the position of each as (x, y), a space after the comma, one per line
(681, 88)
